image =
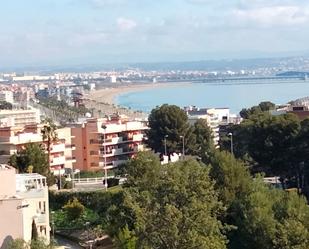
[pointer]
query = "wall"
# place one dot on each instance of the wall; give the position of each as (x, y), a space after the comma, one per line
(11, 217)
(7, 182)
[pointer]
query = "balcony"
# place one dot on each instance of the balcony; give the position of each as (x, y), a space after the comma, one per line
(70, 146)
(113, 152)
(70, 159)
(138, 137)
(22, 139)
(57, 148)
(33, 193)
(112, 141)
(109, 165)
(57, 161)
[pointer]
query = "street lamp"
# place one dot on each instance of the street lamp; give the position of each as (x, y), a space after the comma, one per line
(104, 147)
(231, 135)
(183, 147)
(165, 151)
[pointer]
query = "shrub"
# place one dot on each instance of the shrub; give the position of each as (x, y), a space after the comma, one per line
(74, 209)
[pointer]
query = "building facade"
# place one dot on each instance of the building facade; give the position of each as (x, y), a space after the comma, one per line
(23, 199)
(213, 116)
(19, 117)
(112, 141)
(13, 139)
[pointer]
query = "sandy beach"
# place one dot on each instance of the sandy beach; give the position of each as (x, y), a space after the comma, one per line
(108, 95)
(102, 101)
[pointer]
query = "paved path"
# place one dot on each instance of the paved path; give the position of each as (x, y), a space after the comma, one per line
(66, 244)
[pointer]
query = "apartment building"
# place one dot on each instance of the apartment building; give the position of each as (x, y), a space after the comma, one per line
(19, 117)
(112, 140)
(213, 116)
(23, 199)
(13, 139)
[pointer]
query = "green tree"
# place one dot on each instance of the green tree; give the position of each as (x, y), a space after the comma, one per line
(49, 134)
(270, 142)
(254, 110)
(174, 205)
(231, 176)
(32, 155)
(267, 106)
(302, 146)
(126, 239)
(17, 244)
(204, 140)
(40, 244)
(74, 209)
(169, 122)
(34, 231)
(5, 105)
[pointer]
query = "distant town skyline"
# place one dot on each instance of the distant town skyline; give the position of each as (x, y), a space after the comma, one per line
(73, 32)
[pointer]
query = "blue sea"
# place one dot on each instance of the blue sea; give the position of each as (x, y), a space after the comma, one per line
(234, 96)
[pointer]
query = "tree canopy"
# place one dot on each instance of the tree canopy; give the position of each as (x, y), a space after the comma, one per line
(32, 157)
(169, 123)
(5, 105)
(275, 145)
(262, 107)
(175, 205)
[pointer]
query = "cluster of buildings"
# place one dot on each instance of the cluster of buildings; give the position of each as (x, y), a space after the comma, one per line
(90, 145)
(80, 146)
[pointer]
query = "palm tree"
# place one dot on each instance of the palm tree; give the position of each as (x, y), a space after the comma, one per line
(49, 134)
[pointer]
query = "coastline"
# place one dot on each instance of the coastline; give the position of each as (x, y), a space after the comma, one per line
(102, 102)
(109, 95)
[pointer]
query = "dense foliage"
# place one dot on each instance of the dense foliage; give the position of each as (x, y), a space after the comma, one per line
(74, 209)
(262, 107)
(214, 204)
(174, 206)
(32, 159)
(5, 105)
(63, 109)
(34, 244)
(169, 126)
(276, 145)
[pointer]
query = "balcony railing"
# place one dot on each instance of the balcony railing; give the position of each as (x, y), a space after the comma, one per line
(57, 161)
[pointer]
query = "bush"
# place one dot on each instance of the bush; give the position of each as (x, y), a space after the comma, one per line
(74, 209)
(62, 221)
(99, 201)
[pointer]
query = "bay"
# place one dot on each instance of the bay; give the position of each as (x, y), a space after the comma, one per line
(235, 96)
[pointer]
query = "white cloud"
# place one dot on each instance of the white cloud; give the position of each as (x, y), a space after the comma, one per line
(125, 24)
(272, 16)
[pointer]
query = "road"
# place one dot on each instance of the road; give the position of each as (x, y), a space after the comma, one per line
(66, 244)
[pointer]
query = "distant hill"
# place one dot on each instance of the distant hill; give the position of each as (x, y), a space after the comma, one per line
(294, 74)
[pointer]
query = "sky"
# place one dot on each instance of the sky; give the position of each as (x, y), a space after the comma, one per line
(75, 32)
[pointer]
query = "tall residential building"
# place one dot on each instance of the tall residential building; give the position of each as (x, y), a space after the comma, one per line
(213, 116)
(13, 139)
(123, 139)
(19, 117)
(23, 199)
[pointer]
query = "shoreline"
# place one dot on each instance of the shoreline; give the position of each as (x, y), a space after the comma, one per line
(109, 95)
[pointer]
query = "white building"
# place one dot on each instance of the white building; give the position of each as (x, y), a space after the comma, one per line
(23, 199)
(19, 117)
(213, 116)
(7, 96)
